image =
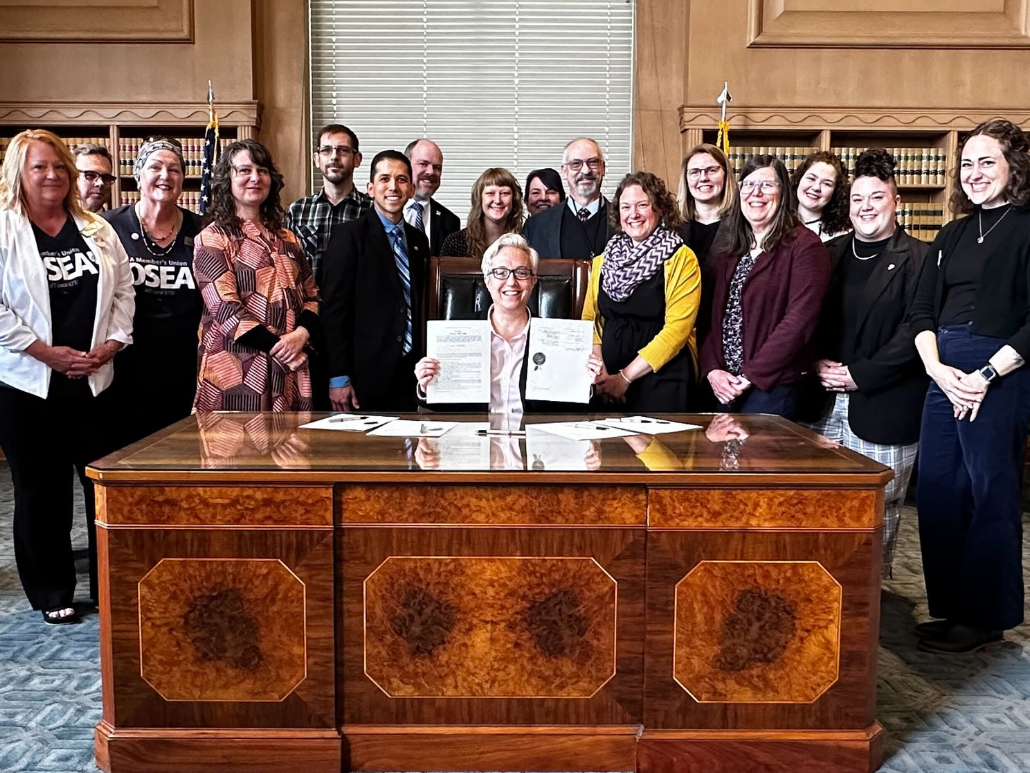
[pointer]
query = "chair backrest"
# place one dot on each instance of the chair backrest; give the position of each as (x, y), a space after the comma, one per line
(456, 288)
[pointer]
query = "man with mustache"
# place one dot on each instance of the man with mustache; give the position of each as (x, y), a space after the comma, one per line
(95, 176)
(422, 210)
(579, 228)
(312, 218)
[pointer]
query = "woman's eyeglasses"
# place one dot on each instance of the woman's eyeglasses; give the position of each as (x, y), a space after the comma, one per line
(521, 273)
(765, 186)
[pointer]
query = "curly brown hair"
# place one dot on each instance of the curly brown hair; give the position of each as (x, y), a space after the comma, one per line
(1016, 148)
(475, 231)
(222, 212)
(662, 200)
(837, 212)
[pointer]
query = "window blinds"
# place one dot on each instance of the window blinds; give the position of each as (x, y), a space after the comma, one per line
(494, 82)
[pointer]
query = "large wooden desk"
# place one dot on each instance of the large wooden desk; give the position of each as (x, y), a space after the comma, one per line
(275, 599)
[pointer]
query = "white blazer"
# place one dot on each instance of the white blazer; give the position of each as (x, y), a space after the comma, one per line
(25, 300)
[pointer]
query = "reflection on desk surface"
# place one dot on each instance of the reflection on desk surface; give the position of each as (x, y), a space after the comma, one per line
(273, 441)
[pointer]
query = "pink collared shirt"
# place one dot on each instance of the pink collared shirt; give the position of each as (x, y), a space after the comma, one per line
(506, 358)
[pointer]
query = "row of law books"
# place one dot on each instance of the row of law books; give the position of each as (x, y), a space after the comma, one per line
(187, 200)
(71, 142)
(915, 166)
(792, 158)
(192, 153)
(923, 221)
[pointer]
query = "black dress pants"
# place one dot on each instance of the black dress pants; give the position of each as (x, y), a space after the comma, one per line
(45, 442)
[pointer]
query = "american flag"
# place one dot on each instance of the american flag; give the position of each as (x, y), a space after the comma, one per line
(210, 150)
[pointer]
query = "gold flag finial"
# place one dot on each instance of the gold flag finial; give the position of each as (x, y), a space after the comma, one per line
(724, 99)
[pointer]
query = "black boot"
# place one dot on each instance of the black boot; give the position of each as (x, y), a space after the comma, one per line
(960, 639)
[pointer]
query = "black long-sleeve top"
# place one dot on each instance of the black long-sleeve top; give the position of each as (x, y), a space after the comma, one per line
(1002, 307)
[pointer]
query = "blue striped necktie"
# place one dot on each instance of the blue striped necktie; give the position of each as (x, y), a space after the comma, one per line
(420, 224)
(401, 258)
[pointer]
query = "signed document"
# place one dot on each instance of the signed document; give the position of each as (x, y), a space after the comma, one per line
(463, 350)
(558, 352)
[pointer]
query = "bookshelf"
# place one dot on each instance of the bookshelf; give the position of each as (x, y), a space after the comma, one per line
(925, 143)
(123, 127)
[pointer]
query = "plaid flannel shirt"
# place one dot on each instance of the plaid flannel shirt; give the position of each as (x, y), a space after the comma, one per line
(313, 217)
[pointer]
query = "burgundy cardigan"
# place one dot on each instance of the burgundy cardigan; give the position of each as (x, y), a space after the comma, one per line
(783, 296)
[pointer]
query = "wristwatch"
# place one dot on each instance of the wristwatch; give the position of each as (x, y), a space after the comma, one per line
(988, 373)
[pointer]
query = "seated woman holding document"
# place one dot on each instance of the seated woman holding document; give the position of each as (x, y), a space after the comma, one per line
(509, 267)
(643, 298)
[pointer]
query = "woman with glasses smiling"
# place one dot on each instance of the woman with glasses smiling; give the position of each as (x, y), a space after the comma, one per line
(510, 268)
(773, 275)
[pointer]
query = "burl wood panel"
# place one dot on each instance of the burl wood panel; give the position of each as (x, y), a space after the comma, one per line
(222, 629)
(764, 509)
(130, 702)
(494, 505)
(217, 505)
(490, 627)
(773, 752)
(495, 749)
(523, 608)
(757, 631)
(851, 558)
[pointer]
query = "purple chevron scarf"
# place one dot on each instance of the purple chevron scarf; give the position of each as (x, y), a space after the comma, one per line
(627, 264)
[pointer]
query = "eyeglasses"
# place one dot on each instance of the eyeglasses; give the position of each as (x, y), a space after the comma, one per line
(710, 171)
(521, 273)
(765, 186)
(577, 163)
(328, 151)
(92, 177)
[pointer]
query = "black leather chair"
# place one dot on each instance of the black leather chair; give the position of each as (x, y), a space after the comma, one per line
(456, 288)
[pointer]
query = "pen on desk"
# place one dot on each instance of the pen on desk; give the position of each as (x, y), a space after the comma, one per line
(337, 419)
(509, 432)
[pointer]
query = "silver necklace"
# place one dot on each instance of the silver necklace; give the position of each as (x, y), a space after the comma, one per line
(980, 217)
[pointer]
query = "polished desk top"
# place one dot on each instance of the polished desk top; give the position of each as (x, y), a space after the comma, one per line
(267, 447)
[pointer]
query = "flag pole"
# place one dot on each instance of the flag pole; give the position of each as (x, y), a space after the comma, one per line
(210, 150)
(724, 99)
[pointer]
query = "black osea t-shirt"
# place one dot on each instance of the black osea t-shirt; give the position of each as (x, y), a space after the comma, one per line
(73, 273)
(168, 303)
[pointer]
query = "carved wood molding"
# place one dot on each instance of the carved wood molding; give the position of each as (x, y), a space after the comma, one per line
(969, 24)
(89, 113)
(846, 119)
(156, 21)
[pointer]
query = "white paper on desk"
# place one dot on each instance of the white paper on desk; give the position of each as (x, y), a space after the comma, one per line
(410, 428)
(645, 425)
(558, 352)
(463, 351)
(547, 451)
(349, 422)
(581, 430)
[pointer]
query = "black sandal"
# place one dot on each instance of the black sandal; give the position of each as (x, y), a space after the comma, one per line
(51, 617)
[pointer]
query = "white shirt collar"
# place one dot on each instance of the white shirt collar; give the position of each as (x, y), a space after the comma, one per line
(592, 207)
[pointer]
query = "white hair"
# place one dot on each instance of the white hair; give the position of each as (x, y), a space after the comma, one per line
(570, 143)
(515, 241)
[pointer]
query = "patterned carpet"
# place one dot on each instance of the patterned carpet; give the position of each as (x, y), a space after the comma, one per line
(942, 715)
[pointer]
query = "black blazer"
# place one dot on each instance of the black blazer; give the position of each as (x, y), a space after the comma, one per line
(363, 310)
(543, 230)
(528, 406)
(888, 404)
(442, 223)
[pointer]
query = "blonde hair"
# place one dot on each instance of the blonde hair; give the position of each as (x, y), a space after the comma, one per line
(12, 195)
(513, 241)
(688, 209)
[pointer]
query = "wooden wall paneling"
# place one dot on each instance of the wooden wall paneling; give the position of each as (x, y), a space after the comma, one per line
(157, 21)
(908, 24)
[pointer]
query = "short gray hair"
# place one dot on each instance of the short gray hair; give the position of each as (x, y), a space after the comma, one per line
(93, 149)
(515, 241)
(570, 143)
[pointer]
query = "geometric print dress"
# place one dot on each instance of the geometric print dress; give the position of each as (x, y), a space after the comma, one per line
(257, 279)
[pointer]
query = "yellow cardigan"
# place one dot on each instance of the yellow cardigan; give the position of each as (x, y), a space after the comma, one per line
(682, 296)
